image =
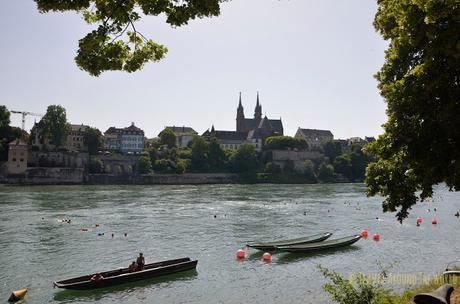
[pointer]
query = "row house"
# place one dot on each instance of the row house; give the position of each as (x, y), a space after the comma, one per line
(125, 140)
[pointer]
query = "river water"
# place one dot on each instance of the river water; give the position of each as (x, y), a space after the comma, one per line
(210, 223)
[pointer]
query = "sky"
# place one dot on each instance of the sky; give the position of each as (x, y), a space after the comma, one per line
(312, 62)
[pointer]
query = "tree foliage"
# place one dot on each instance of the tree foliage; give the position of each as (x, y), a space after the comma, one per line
(420, 81)
(245, 159)
(285, 142)
(144, 166)
(216, 155)
(326, 173)
(199, 153)
(167, 137)
(332, 149)
(115, 43)
(54, 125)
(93, 140)
(7, 132)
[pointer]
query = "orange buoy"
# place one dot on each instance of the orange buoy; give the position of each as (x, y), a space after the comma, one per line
(364, 233)
(267, 257)
(376, 237)
(434, 222)
(419, 220)
(17, 295)
(240, 254)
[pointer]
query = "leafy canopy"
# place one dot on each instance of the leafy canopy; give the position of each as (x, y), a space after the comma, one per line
(285, 142)
(55, 125)
(116, 43)
(420, 81)
(167, 137)
(93, 140)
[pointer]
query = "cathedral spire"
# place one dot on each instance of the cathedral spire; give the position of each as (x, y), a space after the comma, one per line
(258, 110)
(239, 104)
(240, 116)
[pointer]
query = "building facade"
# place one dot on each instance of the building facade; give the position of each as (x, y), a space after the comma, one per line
(17, 157)
(314, 138)
(184, 135)
(75, 139)
(125, 140)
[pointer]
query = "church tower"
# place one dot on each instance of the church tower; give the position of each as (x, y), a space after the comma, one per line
(240, 117)
(258, 111)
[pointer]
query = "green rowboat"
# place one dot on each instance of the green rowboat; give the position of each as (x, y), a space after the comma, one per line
(269, 246)
(346, 241)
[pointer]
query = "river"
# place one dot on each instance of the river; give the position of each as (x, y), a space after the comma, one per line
(210, 223)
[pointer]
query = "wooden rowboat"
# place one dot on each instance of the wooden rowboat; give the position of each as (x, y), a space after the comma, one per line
(124, 275)
(346, 241)
(269, 246)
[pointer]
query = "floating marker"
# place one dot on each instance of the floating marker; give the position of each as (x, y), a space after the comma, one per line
(434, 222)
(376, 237)
(267, 257)
(419, 220)
(240, 254)
(364, 233)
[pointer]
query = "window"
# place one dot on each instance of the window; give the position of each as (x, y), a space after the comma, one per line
(22, 159)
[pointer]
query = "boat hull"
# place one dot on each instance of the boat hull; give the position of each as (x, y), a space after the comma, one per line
(121, 276)
(331, 244)
(270, 246)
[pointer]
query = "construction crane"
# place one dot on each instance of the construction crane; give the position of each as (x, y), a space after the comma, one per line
(24, 114)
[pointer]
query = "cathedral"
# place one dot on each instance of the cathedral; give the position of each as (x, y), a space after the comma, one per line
(252, 131)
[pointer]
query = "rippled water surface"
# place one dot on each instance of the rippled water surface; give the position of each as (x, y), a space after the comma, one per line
(208, 223)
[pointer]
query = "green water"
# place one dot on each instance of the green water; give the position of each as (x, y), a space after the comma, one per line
(176, 221)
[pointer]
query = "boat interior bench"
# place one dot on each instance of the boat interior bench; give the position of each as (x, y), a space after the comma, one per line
(439, 296)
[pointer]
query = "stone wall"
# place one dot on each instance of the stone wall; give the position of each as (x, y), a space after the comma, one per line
(58, 159)
(47, 176)
(118, 164)
(280, 157)
(164, 179)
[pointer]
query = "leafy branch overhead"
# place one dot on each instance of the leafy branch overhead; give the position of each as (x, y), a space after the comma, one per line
(420, 82)
(116, 44)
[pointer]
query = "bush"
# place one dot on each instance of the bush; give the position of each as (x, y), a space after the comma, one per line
(364, 290)
(96, 165)
(144, 166)
(326, 173)
(272, 168)
(245, 159)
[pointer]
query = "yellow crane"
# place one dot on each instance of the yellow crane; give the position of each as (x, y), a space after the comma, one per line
(24, 114)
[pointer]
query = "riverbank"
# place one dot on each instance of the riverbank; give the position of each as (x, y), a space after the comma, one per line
(78, 176)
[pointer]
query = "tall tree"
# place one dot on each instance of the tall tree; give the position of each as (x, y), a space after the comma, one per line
(167, 137)
(332, 149)
(93, 140)
(245, 158)
(199, 153)
(420, 82)
(55, 125)
(216, 155)
(116, 43)
(7, 132)
(4, 117)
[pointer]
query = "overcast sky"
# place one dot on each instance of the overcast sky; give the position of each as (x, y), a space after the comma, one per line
(312, 61)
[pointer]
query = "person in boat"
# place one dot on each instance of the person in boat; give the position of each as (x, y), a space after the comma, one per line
(140, 261)
(97, 277)
(133, 266)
